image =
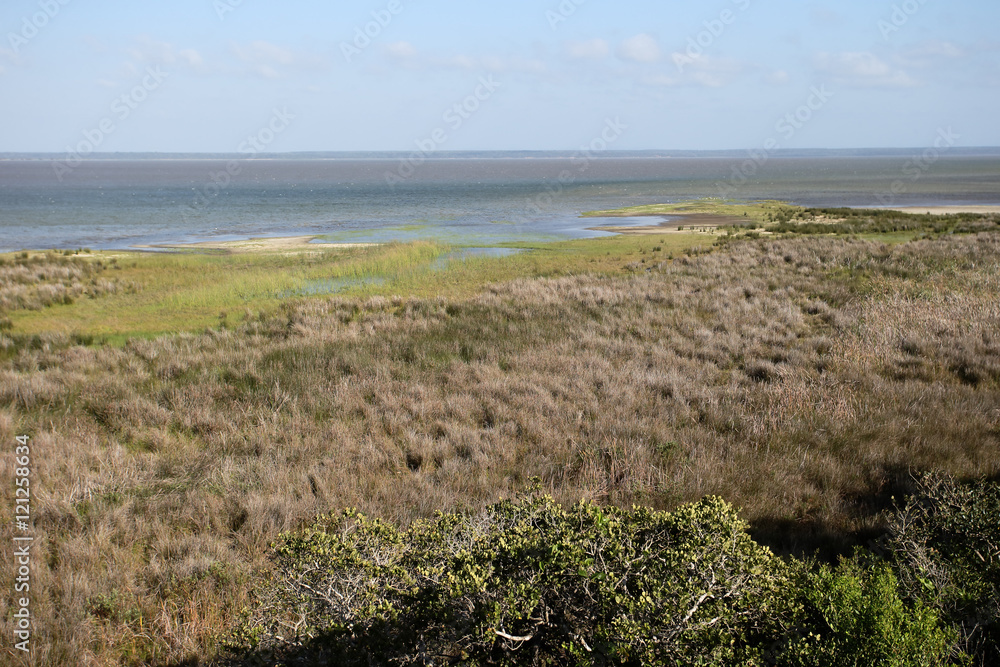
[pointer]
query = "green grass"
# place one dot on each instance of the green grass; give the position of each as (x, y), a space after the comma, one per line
(190, 291)
(438, 234)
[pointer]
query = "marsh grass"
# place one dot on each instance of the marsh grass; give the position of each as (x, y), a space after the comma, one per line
(743, 219)
(872, 223)
(802, 379)
(148, 294)
(171, 292)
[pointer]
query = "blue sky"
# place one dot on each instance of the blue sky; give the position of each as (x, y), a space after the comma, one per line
(204, 75)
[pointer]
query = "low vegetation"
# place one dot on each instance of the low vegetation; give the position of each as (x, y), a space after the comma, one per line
(149, 294)
(38, 281)
(531, 583)
(877, 222)
(807, 380)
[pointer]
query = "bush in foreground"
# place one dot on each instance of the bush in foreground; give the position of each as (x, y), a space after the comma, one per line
(532, 583)
(854, 615)
(945, 543)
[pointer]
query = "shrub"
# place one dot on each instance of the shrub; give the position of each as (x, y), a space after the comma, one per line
(945, 542)
(854, 615)
(523, 582)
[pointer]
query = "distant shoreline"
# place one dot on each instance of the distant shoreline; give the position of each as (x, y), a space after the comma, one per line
(957, 152)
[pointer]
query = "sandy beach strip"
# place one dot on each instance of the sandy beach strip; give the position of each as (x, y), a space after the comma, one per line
(267, 244)
(688, 223)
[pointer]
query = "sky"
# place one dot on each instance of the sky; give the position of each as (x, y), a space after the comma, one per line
(430, 75)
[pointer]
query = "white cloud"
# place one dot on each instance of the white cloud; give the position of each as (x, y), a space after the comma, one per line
(928, 54)
(272, 61)
(261, 55)
(946, 49)
(404, 55)
(862, 69)
(461, 61)
(777, 78)
(590, 49)
(703, 71)
(715, 72)
(641, 48)
(191, 57)
(401, 50)
(147, 50)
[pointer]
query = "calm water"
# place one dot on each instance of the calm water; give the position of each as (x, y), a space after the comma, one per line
(120, 203)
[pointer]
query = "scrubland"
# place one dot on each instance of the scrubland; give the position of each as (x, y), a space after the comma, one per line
(805, 379)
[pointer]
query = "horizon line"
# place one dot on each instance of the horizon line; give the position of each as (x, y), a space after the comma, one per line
(647, 152)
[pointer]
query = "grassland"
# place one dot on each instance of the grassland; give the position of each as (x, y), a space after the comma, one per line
(148, 294)
(804, 376)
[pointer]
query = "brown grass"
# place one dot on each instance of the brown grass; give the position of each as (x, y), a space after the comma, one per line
(33, 282)
(800, 379)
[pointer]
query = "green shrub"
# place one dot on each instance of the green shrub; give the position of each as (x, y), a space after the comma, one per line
(523, 582)
(529, 582)
(853, 615)
(945, 542)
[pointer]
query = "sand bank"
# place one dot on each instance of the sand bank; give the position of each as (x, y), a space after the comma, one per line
(690, 222)
(269, 244)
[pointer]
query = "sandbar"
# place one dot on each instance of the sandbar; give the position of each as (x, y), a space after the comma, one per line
(266, 244)
(690, 222)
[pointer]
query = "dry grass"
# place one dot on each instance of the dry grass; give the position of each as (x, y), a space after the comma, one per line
(33, 282)
(800, 379)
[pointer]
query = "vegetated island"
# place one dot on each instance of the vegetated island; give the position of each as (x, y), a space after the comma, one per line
(769, 442)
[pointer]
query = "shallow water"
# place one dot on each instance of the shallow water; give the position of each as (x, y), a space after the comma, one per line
(477, 201)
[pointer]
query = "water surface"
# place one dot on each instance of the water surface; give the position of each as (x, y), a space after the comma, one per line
(469, 201)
